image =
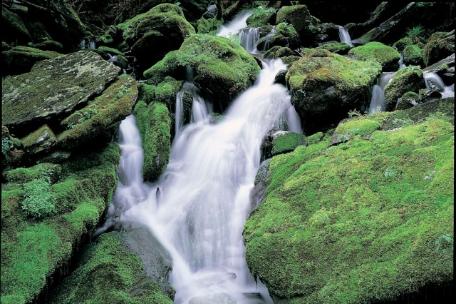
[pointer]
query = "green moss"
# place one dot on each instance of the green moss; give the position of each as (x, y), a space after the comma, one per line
(208, 26)
(261, 16)
(358, 222)
(335, 47)
(287, 142)
(387, 56)
(402, 43)
(164, 92)
(407, 100)
(439, 46)
(154, 124)
(32, 250)
(109, 273)
(307, 26)
(315, 138)
(413, 55)
(407, 79)
(355, 127)
(217, 63)
(114, 104)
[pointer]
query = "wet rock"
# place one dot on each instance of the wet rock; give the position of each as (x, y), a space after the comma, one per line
(283, 34)
(444, 68)
(439, 46)
(407, 100)
(52, 89)
(407, 79)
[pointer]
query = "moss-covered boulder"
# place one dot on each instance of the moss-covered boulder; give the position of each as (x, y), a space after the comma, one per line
(52, 89)
(407, 79)
(335, 47)
(221, 68)
(407, 100)
(387, 56)
(284, 34)
(208, 25)
(413, 55)
(439, 46)
(39, 141)
(109, 272)
(154, 124)
(325, 86)
(46, 212)
(307, 26)
(100, 117)
(368, 220)
(164, 91)
(164, 25)
(261, 16)
(20, 59)
(284, 142)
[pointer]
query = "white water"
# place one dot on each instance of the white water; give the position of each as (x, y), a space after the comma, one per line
(248, 38)
(198, 208)
(434, 82)
(401, 62)
(344, 36)
(233, 27)
(377, 103)
(87, 44)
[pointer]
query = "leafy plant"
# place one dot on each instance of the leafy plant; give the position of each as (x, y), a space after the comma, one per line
(39, 201)
(416, 33)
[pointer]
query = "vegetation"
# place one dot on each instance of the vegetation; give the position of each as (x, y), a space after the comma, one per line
(407, 79)
(387, 56)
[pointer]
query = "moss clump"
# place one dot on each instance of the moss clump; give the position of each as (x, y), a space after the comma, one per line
(361, 126)
(284, 34)
(101, 114)
(407, 100)
(402, 43)
(109, 273)
(286, 142)
(208, 26)
(367, 220)
(40, 140)
(307, 26)
(261, 16)
(43, 170)
(335, 47)
(439, 46)
(221, 67)
(34, 249)
(413, 55)
(407, 79)
(387, 56)
(164, 92)
(20, 59)
(154, 124)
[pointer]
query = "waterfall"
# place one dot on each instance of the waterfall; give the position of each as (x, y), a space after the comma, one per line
(401, 62)
(293, 120)
(87, 44)
(377, 103)
(248, 38)
(344, 36)
(268, 38)
(434, 82)
(233, 27)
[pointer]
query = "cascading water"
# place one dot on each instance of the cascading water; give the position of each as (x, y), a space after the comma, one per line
(344, 36)
(434, 82)
(248, 38)
(268, 38)
(233, 27)
(401, 62)
(377, 103)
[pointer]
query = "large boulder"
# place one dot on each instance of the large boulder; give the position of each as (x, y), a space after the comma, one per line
(164, 25)
(387, 56)
(307, 26)
(439, 46)
(368, 220)
(413, 55)
(20, 59)
(407, 79)
(283, 34)
(221, 68)
(262, 16)
(326, 86)
(53, 89)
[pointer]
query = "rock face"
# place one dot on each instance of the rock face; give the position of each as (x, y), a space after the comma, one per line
(439, 46)
(221, 68)
(407, 79)
(109, 273)
(20, 59)
(151, 35)
(374, 224)
(387, 56)
(46, 211)
(325, 86)
(53, 88)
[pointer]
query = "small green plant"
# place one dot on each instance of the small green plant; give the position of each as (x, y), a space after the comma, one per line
(415, 33)
(39, 201)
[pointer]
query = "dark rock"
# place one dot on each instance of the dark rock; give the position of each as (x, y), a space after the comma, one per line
(306, 25)
(439, 46)
(20, 59)
(407, 100)
(407, 79)
(39, 141)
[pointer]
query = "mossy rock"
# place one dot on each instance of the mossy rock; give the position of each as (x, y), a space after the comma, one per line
(408, 100)
(439, 46)
(387, 56)
(283, 34)
(12, 149)
(402, 43)
(307, 26)
(279, 52)
(364, 221)
(346, 130)
(20, 59)
(164, 92)
(261, 16)
(14, 28)
(208, 25)
(283, 142)
(109, 273)
(36, 249)
(28, 101)
(413, 55)
(154, 124)
(325, 86)
(164, 25)
(221, 67)
(335, 47)
(48, 45)
(100, 116)
(407, 79)
(39, 141)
